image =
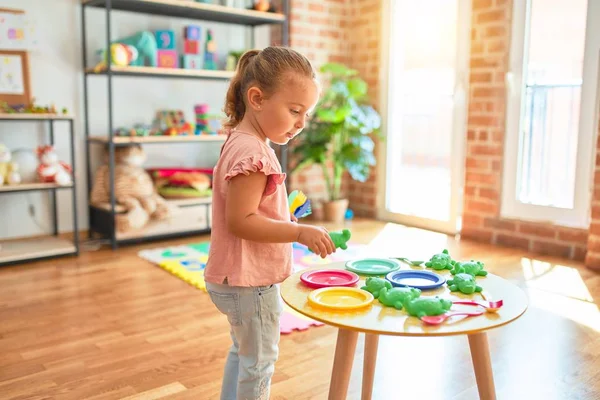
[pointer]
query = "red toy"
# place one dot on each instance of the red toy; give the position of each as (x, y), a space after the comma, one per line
(51, 170)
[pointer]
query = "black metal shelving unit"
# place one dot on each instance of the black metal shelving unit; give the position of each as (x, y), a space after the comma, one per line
(14, 251)
(102, 221)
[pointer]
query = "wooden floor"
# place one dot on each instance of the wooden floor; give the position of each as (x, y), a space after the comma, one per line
(109, 325)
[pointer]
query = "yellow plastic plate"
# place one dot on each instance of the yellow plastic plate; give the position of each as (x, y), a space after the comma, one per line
(340, 298)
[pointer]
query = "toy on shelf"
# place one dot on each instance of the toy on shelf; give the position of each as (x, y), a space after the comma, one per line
(375, 285)
(134, 190)
(9, 170)
(263, 5)
(166, 49)
(144, 42)
(136, 130)
(464, 283)
(472, 267)
(182, 183)
(31, 108)
(233, 57)
(50, 169)
(441, 261)
(396, 297)
(340, 238)
(210, 51)
(422, 306)
(171, 123)
(206, 123)
(299, 204)
(191, 58)
(121, 55)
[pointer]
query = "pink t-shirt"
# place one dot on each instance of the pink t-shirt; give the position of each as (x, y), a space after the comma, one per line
(244, 262)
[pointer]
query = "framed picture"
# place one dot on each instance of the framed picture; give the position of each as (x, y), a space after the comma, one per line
(14, 78)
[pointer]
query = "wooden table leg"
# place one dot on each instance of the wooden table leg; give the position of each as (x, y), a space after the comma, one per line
(482, 364)
(371, 343)
(342, 364)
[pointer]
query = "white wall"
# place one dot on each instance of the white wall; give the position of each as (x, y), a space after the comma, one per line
(56, 77)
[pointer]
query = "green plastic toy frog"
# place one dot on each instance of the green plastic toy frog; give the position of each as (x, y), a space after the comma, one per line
(396, 297)
(441, 261)
(472, 267)
(375, 285)
(340, 238)
(422, 306)
(464, 283)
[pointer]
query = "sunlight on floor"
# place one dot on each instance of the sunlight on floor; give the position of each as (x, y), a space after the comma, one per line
(560, 290)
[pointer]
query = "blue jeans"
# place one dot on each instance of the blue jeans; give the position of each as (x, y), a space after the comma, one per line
(253, 314)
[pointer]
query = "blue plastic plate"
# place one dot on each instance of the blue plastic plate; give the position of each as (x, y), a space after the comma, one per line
(423, 280)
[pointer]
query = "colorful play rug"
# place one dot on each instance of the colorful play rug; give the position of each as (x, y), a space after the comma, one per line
(187, 262)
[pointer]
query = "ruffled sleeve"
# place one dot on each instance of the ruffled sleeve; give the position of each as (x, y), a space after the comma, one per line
(258, 163)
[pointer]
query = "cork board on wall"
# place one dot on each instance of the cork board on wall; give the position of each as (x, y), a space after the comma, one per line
(14, 71)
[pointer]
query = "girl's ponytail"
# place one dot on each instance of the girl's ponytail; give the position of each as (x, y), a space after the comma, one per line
(235, 108)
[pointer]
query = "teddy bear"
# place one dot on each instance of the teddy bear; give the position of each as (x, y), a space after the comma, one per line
(51, 170)
(9, 170)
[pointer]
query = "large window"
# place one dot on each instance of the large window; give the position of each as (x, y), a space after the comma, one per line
(551, 112)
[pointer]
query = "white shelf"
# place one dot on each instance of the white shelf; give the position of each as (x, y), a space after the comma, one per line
(25, 249)
(159, 139)
(33, 116)
(164, 72)
(26, 187)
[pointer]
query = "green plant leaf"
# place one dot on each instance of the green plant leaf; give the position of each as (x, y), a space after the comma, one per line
(337, 69)
(357, 87)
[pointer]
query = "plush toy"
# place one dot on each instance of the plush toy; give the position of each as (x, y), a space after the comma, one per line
(134, 190)
(121, 56)
(9, 170)
(50, 169)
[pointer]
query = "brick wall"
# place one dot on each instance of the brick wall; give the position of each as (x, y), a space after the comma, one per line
(592, 258)
(490, 39)
(344, 31)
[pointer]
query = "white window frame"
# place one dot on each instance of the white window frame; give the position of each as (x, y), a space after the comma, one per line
(579, 215)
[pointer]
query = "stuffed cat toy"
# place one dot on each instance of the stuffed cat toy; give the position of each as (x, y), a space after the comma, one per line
(134, 190)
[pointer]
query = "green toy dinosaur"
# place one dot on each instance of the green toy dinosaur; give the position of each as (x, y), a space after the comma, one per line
(441, 261)
(396, 297)
(472, 267)
(464, 283)
(422, 306)
(340, 238)
(375, 285)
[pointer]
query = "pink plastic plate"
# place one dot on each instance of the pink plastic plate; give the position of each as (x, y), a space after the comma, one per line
(328, 278)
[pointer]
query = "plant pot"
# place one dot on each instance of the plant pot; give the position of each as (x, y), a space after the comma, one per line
(335, 211)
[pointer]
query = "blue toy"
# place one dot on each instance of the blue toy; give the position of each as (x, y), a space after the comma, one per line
(299, 204)
(165, 39)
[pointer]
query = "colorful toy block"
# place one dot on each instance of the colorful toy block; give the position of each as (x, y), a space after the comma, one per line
(168, 59)
(165, 40)
(191, 32)
(210, 50)
(191, 61)
(191, 46)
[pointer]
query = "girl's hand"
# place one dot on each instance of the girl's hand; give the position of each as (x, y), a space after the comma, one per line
(294, 219)
(317, 239)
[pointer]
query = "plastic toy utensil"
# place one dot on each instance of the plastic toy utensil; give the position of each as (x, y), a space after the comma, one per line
(409, 262)
(299, 204)
(438, 319)
(490, 306)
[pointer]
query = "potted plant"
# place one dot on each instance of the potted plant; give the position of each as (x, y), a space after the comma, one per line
(337, 136)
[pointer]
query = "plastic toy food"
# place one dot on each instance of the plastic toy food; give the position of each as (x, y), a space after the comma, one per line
(422, 306)
(464, 283)
(441, 261)
(396, 297)
(376, 285)
(472, 267)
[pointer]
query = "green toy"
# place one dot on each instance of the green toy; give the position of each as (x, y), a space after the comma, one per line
(441, 261)
(375, 285)
(396, 297)
(472, 267)
(422, 306)
(464, 283)
(145, 43)
(340, 239)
